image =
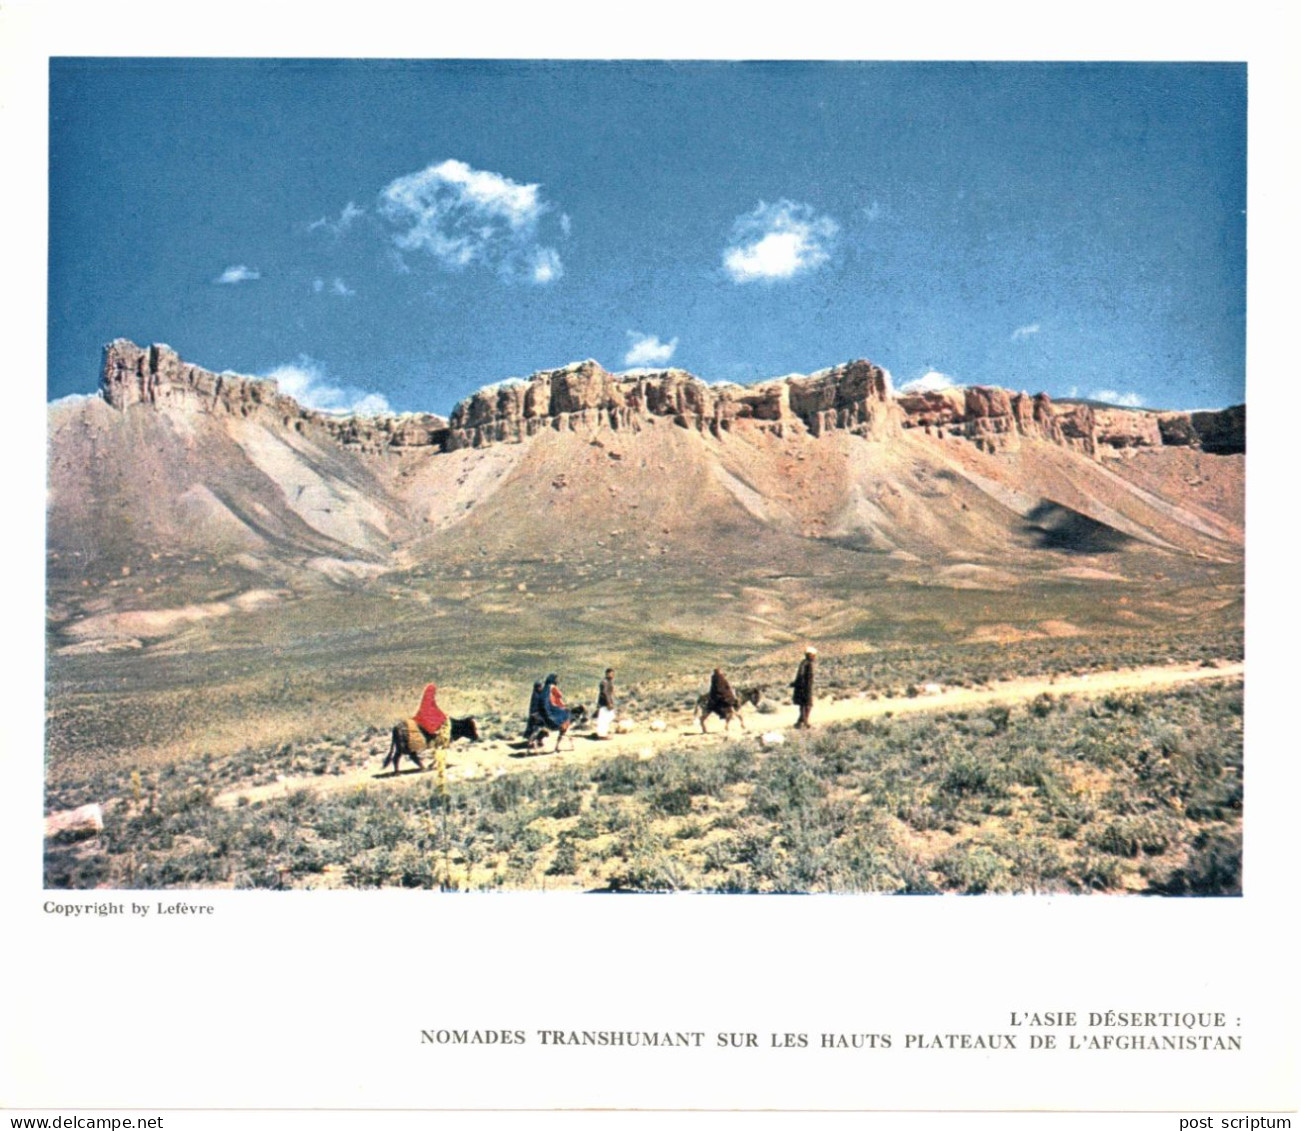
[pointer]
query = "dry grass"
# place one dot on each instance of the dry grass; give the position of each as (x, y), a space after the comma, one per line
(1128, 793)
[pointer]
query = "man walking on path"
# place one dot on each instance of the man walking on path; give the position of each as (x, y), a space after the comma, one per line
(605, 705)
(803, 686)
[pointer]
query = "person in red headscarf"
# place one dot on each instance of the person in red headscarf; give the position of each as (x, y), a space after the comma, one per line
(430, 719)
(434, 727)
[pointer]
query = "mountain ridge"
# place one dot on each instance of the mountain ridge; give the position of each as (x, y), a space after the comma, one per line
(181, 501)
(854, 396)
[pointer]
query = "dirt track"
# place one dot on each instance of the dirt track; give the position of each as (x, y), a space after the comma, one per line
(488, 759)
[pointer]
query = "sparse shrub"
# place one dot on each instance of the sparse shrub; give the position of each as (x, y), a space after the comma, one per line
(1214, 866)
(719, 856)
(1037, 864)
(371, 870)
(570, 805)
(1219, 799)
(620, 775)
(1124, 704)
(411, 867)
(923, 817)
(865, 861)
(1000, 716)
(507, 792)
(645, 872)
(836, 751)
(914, 878)
(564, 862)
(533, 838)
(970, 774)
(787, 784)
(1098, 873)
(674, 802)
(304, 859)
(1033, 768)
(601, 818)
(1090, 794)
(973, 869)
(1128, 836)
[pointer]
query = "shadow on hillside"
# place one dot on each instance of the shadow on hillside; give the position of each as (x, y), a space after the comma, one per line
(1053, 526)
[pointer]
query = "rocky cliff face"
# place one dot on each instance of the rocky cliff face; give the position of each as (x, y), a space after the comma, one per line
(156, 376)
(993, 419)
(855, 397)
(1223, 432)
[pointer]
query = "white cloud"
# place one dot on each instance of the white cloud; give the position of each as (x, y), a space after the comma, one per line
(778, 241)
(336, 287)
(546, 265)
(1111, 396)
(237, 274)
(932, 381)
(305, 381)
(371, 404)
(462, 216)
(342, 224)
(1025, 331)
(873, 211)
(647, 349)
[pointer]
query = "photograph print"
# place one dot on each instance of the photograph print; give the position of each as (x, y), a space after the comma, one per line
(584, 476)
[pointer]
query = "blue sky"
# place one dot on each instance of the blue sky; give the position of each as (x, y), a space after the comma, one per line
(400, 233)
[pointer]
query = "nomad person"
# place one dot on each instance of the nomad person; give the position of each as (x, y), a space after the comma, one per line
(554, 714)
(434, 727)
(433, 723)
(553, 704)
(605, 705)
(720, 701)
(537, 720)
(802, 686)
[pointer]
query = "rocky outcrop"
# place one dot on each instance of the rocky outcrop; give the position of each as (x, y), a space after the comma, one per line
(156, 376)
(385, 432)
(996, 420)
(1103, 431)
(1223, 432)
(1119, 428)
(937, 412)
(75, 824)
(993, 419)
(1079, 427)
(582, 395)
(855, 397)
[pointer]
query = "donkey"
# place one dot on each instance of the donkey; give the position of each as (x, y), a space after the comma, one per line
(539, 728)
(400, 744)
(745, 695)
